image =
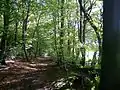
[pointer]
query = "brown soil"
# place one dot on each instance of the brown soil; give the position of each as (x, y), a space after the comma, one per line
(37, 75)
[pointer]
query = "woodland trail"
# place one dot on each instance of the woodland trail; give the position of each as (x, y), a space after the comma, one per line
(38, 75)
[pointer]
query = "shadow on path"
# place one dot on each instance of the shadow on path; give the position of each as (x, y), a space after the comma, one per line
(39, 75)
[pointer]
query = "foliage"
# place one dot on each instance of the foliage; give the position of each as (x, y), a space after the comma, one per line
(67, 30)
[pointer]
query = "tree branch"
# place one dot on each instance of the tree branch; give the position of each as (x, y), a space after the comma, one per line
(89, 19)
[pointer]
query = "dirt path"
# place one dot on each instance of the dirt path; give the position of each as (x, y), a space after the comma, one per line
(29, 76)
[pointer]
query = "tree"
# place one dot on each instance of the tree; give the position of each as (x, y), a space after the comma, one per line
(24, 27)
(81, 33)
(35, 25)
(96, 29)
(6, 18)
(110, 65)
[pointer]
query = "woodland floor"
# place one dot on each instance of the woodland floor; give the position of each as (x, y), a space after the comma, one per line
(37, 75)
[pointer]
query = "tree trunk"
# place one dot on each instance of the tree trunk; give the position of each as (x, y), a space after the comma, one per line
(55, 34)
(61, 52)
(6, 27)
(73, 46)
(24, 28)
(36, 51)
(94, 59)
(16, 32)
(110, 65)
(68, 42)
(82, 33)
(81, 25)
(36, 31)
(89, 19)
(16, 24)
(68, 31)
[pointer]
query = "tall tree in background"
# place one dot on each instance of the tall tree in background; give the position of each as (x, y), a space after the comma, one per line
(24, 27)
(6, 17)
(82, 33)
(16, 22)
(55, 33)
(96, 29)
(61, 52)
(68, 30)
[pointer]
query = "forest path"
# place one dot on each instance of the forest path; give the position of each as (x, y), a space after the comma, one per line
(38, 75)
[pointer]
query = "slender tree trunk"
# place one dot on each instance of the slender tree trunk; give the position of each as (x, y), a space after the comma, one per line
(68, 42)
(16, 33)
(58, 27)
(6, 27)
(16, 24)
(36, 49)
(36, 27)
(81, 25)
(38, 37)
(24, 28)
(94, 59)
(62, 31)
(61, 52)
(55, 34)
(83, 38)
(82, 34)
(36, 31)
(78, 28)
(89, 19)
(73, 46)
(68, 30)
